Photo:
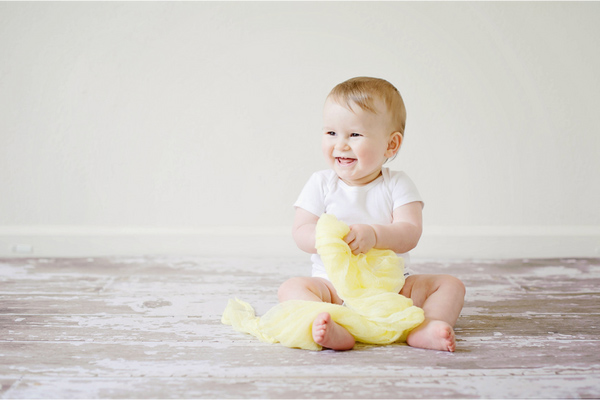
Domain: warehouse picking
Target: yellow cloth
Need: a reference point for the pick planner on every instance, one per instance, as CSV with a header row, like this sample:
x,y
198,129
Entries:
x,y
369,283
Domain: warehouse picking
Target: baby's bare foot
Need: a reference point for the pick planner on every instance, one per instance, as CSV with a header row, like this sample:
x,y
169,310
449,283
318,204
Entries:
x,y
329,334
433,335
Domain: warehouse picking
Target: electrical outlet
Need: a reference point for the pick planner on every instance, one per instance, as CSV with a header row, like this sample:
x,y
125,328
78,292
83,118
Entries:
x,y
22,248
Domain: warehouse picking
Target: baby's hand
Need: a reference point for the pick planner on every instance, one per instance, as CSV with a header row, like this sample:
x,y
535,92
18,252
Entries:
x,y
361,238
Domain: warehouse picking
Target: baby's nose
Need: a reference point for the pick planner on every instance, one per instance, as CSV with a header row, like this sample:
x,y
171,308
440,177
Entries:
x,y
342,144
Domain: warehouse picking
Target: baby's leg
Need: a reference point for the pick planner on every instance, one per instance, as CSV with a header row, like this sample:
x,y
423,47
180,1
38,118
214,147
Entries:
x,y
311,289
441,297
325,331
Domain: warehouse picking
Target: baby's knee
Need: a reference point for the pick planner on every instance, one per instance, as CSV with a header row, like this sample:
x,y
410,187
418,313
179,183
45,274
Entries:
x,y
289,287
455,284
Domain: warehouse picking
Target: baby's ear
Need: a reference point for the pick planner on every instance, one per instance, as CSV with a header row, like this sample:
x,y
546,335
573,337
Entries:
x,y
394,144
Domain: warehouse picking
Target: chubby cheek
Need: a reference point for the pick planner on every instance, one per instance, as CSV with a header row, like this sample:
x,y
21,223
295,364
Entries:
x,y
371,155
327,152
362,154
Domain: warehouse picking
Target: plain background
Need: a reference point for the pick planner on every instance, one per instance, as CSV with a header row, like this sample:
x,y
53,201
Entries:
x,y
137,128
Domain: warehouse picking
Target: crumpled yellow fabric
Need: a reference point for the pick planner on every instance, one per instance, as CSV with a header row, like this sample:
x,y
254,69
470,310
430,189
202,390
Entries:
x,y
373,311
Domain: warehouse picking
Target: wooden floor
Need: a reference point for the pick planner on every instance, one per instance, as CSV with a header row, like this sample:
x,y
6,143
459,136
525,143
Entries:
x,y
150,328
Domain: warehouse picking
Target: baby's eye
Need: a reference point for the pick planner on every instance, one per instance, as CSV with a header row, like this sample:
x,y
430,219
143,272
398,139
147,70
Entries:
x,y
330,133
355,135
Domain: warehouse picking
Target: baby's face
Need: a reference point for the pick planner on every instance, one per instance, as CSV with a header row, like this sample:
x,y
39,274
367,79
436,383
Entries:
x,y
355,144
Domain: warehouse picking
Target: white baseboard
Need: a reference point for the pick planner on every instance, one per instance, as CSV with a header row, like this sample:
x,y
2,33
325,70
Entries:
x,y
127,241
437,242
497,242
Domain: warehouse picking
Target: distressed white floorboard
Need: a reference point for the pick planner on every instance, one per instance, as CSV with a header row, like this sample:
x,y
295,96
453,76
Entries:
x,y
149,327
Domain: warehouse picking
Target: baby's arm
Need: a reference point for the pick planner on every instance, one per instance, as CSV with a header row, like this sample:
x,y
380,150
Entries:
x,y
303,230
401,236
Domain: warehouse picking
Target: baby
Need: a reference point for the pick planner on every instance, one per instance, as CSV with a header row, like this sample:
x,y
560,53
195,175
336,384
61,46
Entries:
x,y
364,121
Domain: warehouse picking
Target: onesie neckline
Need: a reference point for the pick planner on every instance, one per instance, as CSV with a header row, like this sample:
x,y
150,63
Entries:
x,y
363,187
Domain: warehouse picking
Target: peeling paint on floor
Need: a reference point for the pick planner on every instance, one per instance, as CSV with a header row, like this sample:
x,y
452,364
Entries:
x,y
149,327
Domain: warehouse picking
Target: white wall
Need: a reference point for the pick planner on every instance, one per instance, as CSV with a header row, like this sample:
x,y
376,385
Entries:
x,y
185,128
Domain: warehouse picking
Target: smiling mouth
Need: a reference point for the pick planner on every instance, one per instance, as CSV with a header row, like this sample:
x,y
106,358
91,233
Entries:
x,y
345,161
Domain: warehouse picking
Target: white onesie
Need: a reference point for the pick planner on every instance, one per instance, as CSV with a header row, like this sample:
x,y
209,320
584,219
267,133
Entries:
x,y
370,204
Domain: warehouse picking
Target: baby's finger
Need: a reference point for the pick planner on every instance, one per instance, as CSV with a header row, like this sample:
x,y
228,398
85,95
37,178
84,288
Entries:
x,y
352,246
349,237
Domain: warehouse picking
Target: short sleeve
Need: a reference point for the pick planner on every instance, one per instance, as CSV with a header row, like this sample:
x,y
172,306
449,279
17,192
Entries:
x,y
312,196
403,189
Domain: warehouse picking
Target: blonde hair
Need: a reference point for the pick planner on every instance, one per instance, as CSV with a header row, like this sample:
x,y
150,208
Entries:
x,y
363,91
